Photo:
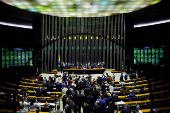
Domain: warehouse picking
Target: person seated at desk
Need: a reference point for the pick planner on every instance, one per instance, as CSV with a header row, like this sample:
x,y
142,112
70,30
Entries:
x,y
65,66
131,95
77,67
142,89
68,67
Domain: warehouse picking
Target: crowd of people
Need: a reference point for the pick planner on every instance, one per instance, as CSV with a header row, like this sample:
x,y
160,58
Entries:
x,y
92,95
95,95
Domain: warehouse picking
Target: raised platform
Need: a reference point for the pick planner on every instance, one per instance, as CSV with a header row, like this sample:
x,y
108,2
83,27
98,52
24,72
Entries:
x,y
54,72
113,71
86,71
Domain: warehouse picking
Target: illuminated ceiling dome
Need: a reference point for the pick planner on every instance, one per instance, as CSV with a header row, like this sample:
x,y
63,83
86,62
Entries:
x,y
81,8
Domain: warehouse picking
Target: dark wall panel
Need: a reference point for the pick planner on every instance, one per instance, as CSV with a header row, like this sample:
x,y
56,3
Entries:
x,y
97,39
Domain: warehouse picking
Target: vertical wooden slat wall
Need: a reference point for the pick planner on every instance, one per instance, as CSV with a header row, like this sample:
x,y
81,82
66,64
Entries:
x,y
97,39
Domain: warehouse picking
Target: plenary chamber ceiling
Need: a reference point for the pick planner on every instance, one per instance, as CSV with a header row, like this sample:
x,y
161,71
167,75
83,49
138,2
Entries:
x,y
81,39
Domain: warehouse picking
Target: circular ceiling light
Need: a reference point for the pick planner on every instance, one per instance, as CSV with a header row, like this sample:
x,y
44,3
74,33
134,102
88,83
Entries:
x,y
73,7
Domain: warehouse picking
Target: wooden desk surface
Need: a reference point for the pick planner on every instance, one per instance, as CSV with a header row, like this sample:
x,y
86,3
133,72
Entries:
x,y
133,102
122,96
39,97
35,112
113,71
145,110
6,111
56,92
161,91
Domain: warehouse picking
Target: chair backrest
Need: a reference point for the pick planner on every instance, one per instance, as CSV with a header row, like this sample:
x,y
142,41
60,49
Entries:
x,y
45,109
126,99
135,99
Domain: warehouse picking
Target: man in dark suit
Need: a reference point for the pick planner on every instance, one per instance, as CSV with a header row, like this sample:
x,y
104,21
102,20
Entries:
x,y
50,87
126,75
91,99
86,91
95,93
68,82
72,108
64,77
80,101
134,75
115,97
111,98
102,104
126,109
121,77
88,108
58,87
97,108
105,99
66,66
131,95
68,92
103,88
40,78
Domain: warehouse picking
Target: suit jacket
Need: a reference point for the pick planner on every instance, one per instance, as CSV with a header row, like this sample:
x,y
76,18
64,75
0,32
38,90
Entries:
x,y
69,109
131,96
86,91
68,82
103,87
66,65
104,77
126,110
58,87
115,97
111,98
106,101
64,77
125,77
95,93
121,77
91,98
102,104
80,99
68,92
109,110
97,109
87,109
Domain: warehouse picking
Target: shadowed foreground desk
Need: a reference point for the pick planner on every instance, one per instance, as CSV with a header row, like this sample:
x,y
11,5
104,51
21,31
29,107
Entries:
x,y
86,71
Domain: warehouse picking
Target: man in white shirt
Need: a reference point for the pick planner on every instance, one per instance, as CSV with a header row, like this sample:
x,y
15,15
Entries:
x,y
111,88
64,90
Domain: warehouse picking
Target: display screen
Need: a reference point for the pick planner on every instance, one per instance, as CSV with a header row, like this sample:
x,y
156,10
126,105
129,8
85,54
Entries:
x,y
16,57
81,8
148,55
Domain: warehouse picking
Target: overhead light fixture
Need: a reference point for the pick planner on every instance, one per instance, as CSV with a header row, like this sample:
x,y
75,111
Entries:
x,y
152,23
100,7
16,25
